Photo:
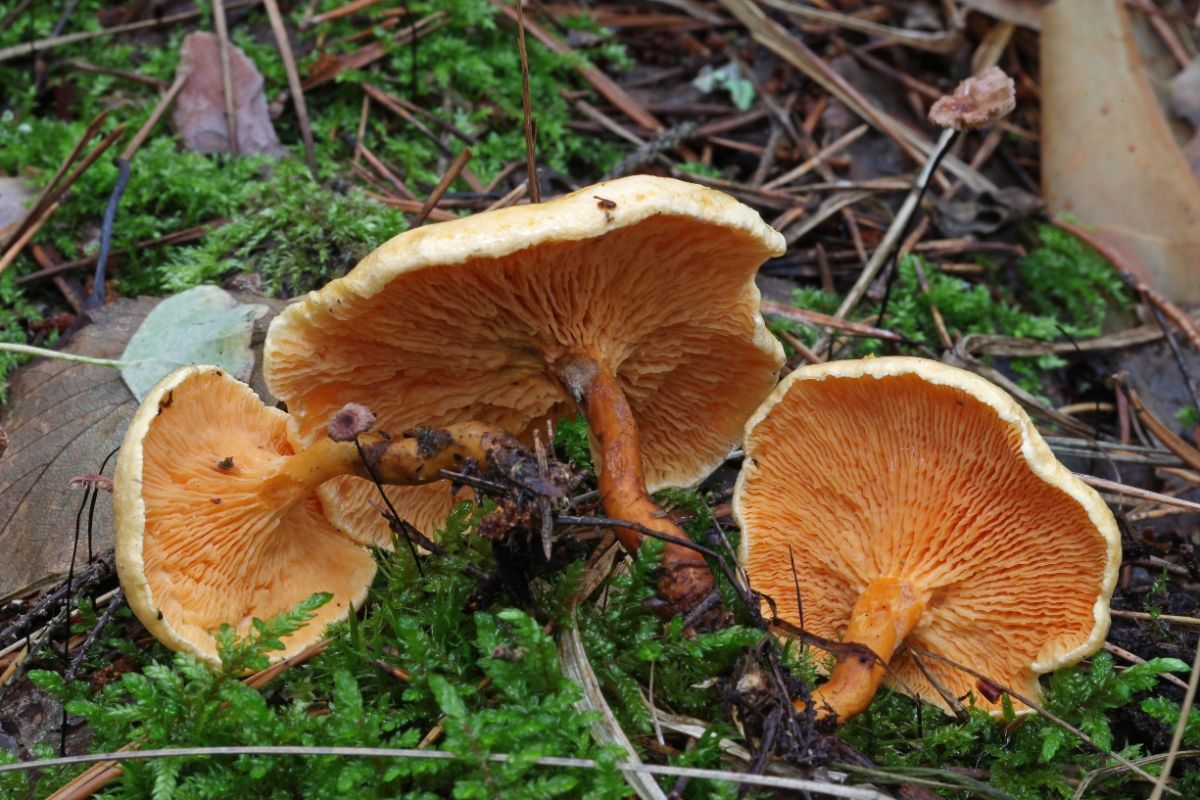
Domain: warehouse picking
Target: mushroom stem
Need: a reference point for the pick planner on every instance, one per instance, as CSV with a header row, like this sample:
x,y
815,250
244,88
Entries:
x,y
684,577
414,458
886,612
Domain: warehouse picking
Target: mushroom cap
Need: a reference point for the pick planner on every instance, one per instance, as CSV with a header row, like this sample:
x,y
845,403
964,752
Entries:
x,y
908,468
465,320
196,545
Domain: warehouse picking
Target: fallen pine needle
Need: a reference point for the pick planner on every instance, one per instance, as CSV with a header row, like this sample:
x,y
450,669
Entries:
x,y
1133,491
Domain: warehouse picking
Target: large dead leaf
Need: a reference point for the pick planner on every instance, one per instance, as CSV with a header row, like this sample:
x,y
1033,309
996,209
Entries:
x,y
62,420
1108,156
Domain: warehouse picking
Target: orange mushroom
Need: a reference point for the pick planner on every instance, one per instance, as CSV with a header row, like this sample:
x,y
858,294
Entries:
x,y
632,300
922,510
217,518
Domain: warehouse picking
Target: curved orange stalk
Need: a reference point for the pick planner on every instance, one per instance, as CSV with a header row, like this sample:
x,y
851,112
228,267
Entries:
x,y
886,612
402,461
684,577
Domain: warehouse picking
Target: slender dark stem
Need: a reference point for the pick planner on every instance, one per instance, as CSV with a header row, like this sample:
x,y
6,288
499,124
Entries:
x,y
110,213
387,501
89,491
925,180
410,532
95,494
1169,335
799,599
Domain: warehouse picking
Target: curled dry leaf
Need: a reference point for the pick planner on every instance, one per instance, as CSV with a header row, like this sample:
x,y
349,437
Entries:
x,y
200,108
1108,156
977,102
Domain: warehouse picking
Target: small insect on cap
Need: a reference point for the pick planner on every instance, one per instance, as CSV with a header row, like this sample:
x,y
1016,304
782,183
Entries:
x,y
202,539
910,471
466,320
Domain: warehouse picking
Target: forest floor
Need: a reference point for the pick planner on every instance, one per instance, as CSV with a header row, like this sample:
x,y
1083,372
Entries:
x,y
377,116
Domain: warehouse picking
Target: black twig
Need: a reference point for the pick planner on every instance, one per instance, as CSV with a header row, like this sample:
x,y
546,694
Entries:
x,y
94,573
665,142
703,607
110,611
110,213
923,186
1169,335
388,502
473,481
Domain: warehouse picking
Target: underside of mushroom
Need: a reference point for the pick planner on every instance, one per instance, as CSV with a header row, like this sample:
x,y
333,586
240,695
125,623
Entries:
x,y
921,510
217,515
632,301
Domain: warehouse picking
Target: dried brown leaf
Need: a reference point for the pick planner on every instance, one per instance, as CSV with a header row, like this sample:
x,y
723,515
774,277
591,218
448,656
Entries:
x,y
199,114
1108,156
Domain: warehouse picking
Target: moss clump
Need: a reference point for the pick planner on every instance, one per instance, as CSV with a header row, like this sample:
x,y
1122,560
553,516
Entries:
x,y
292,231
1031,759
1062,288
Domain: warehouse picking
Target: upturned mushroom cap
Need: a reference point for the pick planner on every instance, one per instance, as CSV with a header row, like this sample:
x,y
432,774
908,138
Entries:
x,y
197,544
908,468
466,320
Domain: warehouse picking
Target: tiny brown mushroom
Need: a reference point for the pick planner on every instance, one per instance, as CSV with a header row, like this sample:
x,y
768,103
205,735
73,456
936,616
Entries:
x,y
922,509
977,102
642,313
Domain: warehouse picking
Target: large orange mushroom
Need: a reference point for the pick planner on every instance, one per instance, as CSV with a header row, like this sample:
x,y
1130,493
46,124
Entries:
x,y
921,510
631,300
217,517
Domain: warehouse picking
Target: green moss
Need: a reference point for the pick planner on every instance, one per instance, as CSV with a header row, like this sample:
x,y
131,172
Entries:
x,y
1063,288
1034,759
491,678
290,230
468,73
296,233
16,312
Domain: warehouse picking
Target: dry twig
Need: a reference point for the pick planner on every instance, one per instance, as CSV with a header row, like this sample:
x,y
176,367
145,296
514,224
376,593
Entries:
x,y
293,76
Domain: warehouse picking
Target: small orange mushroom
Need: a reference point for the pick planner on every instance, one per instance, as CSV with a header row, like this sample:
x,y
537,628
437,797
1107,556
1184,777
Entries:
x,y
922,510
631,300
217,517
